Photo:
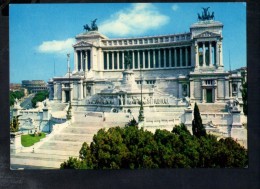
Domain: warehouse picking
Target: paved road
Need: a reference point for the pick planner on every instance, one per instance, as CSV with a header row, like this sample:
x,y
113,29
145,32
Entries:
x,y
26,103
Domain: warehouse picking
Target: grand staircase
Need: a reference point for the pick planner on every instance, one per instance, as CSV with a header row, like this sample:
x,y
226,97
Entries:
x,y
62,145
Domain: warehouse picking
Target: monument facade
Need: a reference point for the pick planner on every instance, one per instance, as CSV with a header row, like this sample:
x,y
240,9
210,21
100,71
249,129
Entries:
x,y
108,73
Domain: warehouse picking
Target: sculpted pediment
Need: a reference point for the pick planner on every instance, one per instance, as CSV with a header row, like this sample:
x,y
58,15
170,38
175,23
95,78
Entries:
x,y
207,34
83,44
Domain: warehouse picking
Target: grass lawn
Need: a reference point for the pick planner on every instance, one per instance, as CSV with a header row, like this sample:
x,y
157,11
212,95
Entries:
x,y
30,139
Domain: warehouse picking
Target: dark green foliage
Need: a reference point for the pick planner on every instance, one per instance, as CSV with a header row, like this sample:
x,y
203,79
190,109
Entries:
x,y
72,163
133,148
133,122
14,124
13,95
198,129
244,97
230,154
39,97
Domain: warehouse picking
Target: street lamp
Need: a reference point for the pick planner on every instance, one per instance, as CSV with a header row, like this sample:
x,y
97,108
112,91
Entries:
x,y
141,111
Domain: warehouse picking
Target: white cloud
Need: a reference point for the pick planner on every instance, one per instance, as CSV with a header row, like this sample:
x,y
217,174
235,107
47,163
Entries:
x,y
136,20
56,46
175,7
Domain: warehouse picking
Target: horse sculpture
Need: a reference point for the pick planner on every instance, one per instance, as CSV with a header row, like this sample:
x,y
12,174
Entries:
x,y
205,15
93,26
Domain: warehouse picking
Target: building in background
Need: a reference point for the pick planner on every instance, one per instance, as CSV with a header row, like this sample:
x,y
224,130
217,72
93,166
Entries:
x,y
34,86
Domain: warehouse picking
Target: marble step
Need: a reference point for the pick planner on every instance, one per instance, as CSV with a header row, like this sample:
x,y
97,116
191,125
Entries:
x,y
72,137
74,152
42,156
88,124
18,163
81,130
61,145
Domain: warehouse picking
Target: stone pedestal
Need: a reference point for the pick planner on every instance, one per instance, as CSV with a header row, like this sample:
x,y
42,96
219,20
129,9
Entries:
x,y
46,115
128,81
236,119
16,143
188,116
239,135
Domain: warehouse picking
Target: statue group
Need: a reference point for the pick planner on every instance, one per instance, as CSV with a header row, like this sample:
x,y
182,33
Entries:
x,y
205,15
128,61
93,26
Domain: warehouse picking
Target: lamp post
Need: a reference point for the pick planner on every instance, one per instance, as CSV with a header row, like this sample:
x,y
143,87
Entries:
x,y
141,111
69,110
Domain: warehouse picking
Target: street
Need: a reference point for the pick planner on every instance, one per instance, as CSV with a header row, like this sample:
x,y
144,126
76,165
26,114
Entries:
x,y
26,103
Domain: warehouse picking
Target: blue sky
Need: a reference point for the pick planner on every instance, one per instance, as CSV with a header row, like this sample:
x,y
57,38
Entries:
x,y
42,34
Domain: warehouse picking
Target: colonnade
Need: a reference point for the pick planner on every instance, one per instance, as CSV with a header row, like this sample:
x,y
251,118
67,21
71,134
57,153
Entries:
x,y
208,53
82,60
149,58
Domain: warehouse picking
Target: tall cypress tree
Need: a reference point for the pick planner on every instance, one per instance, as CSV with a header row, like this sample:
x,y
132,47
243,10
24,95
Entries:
x,y
197,127
244,97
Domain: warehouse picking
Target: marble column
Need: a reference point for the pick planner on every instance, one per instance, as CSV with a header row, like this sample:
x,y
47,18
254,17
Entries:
x,y
133,59
84,90
164,58
138,58
186,56
143,58
159,54
203,94
123,60
215,94
81,61
149,58
91,59
75,61
113,63
220,54
154,60
54,91
80,90
107,59
59,91
204,60
86,61
181,63
125,99
210,54
196,55
217,55
170,57
63,96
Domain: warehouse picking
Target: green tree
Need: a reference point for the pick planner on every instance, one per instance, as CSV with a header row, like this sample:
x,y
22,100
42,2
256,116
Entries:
x,y
15,94
14,124
132,122
230,154
108,149
72,163
244,97
198,129
133,148
39,97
